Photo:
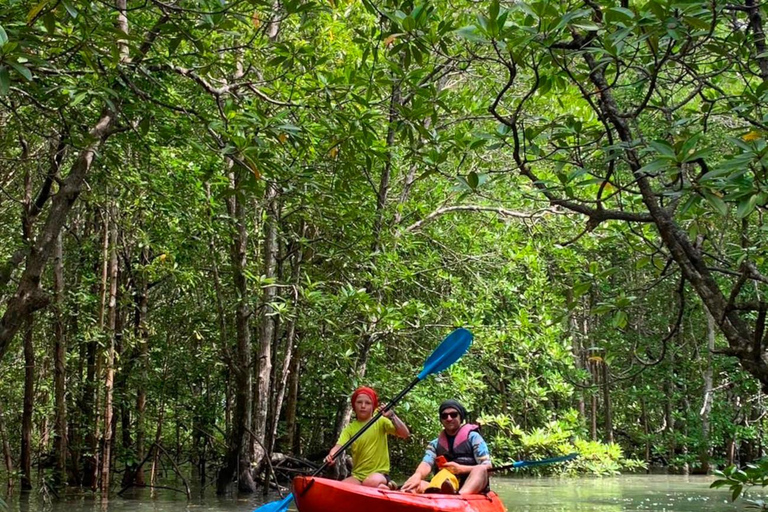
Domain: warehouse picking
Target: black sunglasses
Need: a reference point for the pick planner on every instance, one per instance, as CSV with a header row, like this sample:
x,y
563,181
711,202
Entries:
x,y
446,415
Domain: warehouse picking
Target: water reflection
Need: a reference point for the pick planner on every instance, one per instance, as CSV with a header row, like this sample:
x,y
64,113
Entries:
x,y
619,494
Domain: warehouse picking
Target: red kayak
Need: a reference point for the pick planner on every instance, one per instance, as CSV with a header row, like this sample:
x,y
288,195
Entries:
x,y
314,494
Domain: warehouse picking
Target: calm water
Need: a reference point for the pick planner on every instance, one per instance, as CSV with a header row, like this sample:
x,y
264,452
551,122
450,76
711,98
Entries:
x,y
625,493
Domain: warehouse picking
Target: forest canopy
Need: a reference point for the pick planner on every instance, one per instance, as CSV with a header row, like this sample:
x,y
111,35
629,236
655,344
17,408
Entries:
x,y
221,217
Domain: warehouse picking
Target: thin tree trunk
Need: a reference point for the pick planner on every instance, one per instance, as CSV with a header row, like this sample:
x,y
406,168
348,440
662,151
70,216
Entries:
x,y
110,364
29,400
607,407
706,452
290,335
60,440
239,453
93,466
291,406
7,457
267,325
142,334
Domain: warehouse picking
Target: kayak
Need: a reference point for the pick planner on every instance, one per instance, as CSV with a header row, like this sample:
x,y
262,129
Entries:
x,y
314,494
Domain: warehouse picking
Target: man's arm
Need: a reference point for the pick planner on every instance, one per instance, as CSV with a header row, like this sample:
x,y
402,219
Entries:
x,y
414,482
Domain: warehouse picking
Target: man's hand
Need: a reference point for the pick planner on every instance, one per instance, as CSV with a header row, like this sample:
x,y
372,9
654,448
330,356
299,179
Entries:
x,y
412,484
456,469
330,460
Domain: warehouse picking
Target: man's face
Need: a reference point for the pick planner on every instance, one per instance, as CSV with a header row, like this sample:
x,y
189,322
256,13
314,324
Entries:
x,y
450,419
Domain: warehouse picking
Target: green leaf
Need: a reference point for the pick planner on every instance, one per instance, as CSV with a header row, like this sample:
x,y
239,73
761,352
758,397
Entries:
x,y
626,13
586,25
473,180
71,9
35,11
717,203
3,36
663,148
470,33
746,206
656,165
22,70
49,20
736,491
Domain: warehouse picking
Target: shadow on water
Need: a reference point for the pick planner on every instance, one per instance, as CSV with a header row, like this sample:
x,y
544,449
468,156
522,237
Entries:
x,y
618,494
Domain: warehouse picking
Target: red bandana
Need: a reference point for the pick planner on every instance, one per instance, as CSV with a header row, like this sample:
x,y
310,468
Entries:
x,y
362,390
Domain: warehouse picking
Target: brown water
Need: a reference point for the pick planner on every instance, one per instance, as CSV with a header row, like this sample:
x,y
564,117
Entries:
x,y
624,493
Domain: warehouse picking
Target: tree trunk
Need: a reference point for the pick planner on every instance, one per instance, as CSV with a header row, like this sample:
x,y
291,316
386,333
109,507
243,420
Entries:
x,y
290,341
142,335
607,407
8,459
106,458
706,452
93,411
29,400
267,325
60,440
291,407
239,454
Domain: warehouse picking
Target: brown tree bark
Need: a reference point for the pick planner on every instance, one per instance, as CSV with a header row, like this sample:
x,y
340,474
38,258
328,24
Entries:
x,y
109,378
266,324
60,440
7,457
291,407
239,454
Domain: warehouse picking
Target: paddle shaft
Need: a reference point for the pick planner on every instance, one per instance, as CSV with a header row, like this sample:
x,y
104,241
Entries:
x,y
373,420
529,463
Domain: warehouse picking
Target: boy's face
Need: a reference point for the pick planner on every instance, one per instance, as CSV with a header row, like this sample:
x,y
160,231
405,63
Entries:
x,y
363,406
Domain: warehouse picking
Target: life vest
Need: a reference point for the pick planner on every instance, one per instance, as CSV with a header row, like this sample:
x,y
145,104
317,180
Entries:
x,y
462,452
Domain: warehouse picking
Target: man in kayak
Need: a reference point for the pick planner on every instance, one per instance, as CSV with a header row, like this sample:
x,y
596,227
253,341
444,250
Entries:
x,y
459,452
370,453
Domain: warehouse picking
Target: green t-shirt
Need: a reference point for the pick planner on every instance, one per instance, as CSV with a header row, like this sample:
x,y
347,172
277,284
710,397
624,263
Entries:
x,y
370,453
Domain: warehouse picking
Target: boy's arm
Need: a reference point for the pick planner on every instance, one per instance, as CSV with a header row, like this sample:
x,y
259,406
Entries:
x,y
329,458
401,429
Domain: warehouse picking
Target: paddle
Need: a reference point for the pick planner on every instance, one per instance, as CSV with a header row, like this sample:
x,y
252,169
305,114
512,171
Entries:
x,y
541,462
448,352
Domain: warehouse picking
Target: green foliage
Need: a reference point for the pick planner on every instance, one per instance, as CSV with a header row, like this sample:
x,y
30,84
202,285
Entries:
x,y
739,481
556,438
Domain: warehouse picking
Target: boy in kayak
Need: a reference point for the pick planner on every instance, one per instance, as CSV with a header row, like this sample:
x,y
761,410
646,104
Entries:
x,y
459,452
370,453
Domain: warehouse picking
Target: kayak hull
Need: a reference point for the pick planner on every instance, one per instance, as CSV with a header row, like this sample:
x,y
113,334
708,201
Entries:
x,y
314,494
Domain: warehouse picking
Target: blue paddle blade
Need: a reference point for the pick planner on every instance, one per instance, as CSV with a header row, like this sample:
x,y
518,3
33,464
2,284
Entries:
x,y
449,351
529,463
276,506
